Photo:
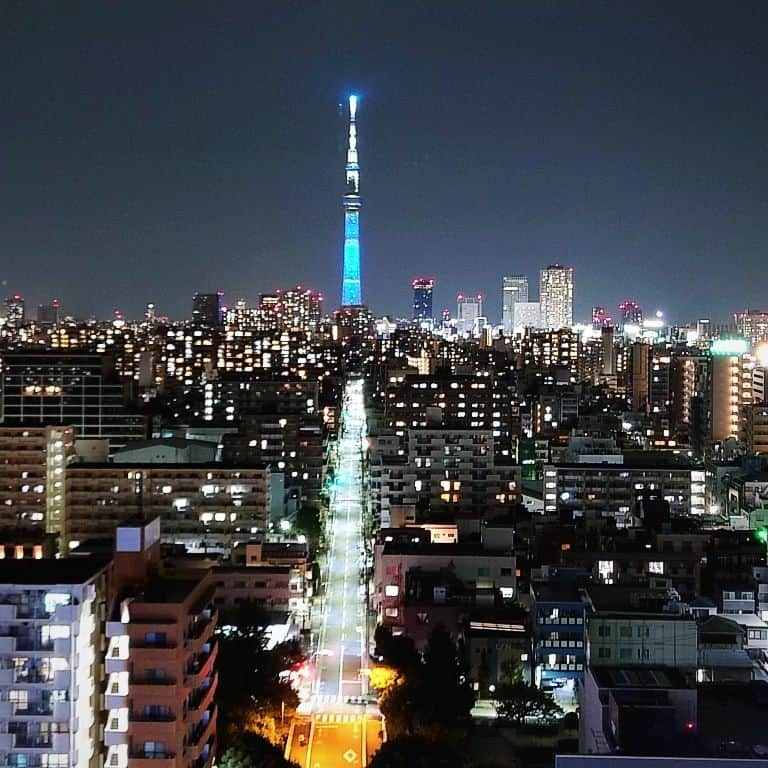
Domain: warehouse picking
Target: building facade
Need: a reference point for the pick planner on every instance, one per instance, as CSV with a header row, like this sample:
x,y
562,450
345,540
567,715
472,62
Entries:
x,y
556,296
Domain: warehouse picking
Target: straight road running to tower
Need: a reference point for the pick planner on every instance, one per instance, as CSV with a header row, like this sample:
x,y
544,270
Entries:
x,y
338,732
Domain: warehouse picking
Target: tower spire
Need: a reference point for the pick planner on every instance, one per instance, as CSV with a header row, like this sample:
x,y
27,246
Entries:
x,y
351,294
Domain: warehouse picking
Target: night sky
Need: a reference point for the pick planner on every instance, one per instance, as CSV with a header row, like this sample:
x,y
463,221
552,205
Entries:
x,y
149,150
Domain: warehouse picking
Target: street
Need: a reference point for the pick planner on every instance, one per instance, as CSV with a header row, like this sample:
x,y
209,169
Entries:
x,y
340,732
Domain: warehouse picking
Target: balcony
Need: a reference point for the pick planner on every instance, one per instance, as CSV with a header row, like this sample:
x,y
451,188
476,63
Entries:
x,y
202,733
201,631
201,698
164,760
200,667
56,742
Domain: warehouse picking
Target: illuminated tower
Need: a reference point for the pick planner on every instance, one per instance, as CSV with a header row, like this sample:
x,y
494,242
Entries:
x,y
351,295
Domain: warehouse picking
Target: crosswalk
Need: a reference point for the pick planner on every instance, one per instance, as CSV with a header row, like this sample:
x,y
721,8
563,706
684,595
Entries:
x,y
329,699
337,717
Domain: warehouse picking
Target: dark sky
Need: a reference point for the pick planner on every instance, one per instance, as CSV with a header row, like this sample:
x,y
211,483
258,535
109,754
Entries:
x,y
152,149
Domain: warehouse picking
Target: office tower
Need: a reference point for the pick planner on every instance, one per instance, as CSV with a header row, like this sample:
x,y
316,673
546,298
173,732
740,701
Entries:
x,y
514,289
468,310
601,318
556,296
630,313
77,389
422,298
14,311
351,293
752,324
48,314
527,315
207,309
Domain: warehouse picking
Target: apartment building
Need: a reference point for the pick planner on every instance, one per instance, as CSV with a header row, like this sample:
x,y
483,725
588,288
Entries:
x,y
51,618
206,507
160,660
33,462
634,626
289,443
483,570
558,612
615,489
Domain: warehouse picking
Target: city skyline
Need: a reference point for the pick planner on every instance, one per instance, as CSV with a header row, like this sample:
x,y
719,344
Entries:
x,y
468,177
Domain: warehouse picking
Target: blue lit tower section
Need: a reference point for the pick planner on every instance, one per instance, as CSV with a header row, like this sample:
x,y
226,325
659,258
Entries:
x,y
351,295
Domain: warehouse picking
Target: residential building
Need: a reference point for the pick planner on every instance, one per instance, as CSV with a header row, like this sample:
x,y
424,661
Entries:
x,y
639,627
160,660
33,463
614,490
556,297
51,614
207,507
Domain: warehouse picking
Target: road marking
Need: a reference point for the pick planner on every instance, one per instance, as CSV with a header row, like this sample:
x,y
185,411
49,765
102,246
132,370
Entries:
x,y
350,756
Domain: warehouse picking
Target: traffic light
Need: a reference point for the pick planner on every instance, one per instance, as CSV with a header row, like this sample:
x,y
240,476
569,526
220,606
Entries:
x,y
761,534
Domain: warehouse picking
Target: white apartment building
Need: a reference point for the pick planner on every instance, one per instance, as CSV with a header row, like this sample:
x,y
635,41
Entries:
x,y
50,671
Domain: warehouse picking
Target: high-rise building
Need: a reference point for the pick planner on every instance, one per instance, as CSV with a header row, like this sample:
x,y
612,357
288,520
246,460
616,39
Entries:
x,y
514,289
630,313
422,298
556,296
601,318
527,315
639,382
752,324
468,310
733,387
160,660
351,293
48,314
207,308
52,683
14,311
298,309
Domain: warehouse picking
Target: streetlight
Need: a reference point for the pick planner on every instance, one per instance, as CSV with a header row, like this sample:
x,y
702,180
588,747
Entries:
x,y
285,525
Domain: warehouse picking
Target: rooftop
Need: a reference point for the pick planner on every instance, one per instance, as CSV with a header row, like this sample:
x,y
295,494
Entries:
x,y
639,677
161,590
70,570
175,466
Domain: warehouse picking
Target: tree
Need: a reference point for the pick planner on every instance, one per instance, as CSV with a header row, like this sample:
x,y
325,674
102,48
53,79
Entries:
x,y
518,701
254,751
307,521
431,697
415,752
